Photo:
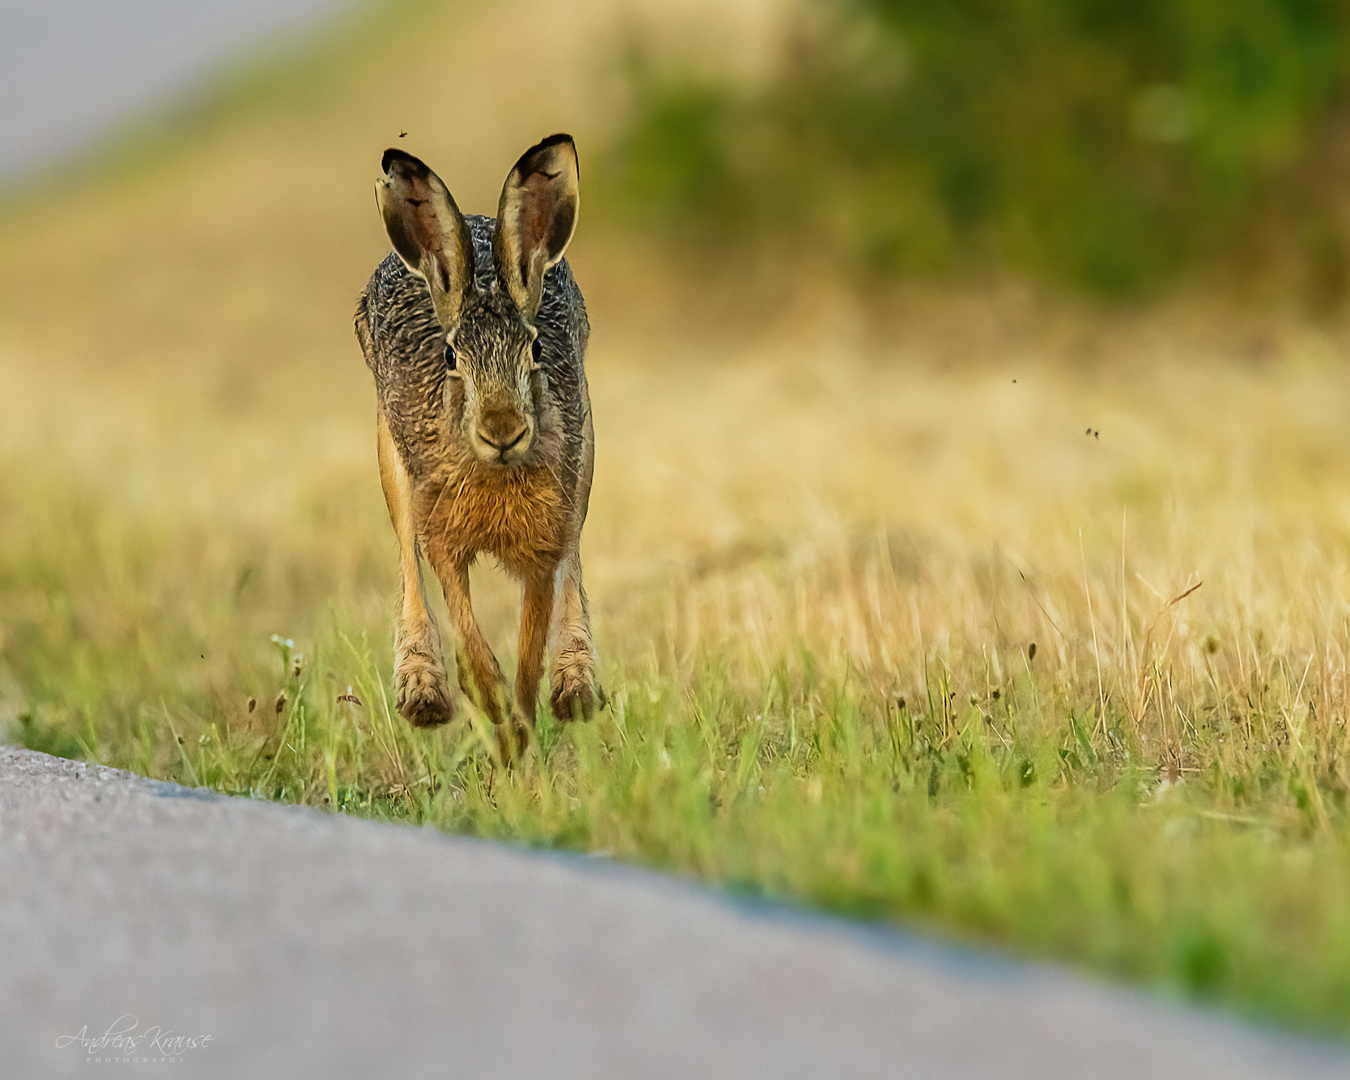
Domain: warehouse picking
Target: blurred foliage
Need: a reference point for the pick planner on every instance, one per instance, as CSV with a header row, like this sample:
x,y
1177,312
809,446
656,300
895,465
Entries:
x,y
1104,145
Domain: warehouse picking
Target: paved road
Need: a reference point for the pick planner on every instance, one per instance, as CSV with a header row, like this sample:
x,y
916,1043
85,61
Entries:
x,y
72,70
310,945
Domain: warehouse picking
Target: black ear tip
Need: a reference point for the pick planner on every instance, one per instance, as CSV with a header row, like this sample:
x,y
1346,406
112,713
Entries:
x,y
392,155
528,160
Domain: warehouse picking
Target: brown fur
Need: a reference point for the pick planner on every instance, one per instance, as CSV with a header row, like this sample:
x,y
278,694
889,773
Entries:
x,y
473,347
520,517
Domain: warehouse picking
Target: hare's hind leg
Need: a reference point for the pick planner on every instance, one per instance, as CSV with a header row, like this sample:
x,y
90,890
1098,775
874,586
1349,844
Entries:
x,y
575,691
420,684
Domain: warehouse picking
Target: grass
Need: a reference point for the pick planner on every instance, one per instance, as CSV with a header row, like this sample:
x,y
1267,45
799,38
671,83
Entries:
x,y
885,628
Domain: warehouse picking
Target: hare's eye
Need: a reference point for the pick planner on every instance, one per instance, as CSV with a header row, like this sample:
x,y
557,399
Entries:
x,y
449,356
537,349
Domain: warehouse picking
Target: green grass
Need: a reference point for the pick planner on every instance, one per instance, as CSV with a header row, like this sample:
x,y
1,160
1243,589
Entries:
x,y
1014,813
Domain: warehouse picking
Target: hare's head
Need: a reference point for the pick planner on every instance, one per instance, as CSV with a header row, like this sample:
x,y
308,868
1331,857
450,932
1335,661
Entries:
x,y
492,346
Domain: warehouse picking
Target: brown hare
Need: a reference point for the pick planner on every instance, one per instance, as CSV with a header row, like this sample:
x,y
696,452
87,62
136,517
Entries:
x,y
476,334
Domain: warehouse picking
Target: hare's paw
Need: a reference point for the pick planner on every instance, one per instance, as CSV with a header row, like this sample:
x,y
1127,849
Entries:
x,y
423,692
510,724
462,673
575,692
513,738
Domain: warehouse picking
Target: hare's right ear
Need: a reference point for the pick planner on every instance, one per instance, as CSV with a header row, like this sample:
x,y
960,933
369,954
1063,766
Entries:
x,y
535,219
427,230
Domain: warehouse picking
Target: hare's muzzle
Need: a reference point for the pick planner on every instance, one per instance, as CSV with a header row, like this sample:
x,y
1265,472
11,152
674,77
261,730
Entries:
x,y
502,437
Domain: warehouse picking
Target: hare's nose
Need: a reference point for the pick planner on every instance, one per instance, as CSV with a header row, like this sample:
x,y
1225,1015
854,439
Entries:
x,y
502,440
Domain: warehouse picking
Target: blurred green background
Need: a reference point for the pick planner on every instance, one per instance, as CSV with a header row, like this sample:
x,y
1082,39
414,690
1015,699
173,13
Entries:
x,y
1113,149
1096,149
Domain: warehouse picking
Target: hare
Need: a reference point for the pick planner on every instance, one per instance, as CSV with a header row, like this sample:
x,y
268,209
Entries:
x,y
476,332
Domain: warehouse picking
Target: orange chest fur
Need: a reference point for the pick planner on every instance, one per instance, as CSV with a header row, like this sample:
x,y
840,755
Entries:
x,y
519,515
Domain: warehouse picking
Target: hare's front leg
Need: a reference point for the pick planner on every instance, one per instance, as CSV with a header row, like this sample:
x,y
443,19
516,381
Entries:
x,y
472,649
422,691
536,612
576,693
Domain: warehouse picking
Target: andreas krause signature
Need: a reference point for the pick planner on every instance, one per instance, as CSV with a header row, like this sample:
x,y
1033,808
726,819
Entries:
x,y
125,1037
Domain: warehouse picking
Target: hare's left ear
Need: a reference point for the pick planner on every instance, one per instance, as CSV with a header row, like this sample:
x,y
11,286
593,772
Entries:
x,y
427,230
535,219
